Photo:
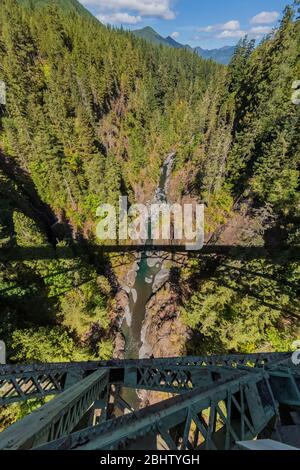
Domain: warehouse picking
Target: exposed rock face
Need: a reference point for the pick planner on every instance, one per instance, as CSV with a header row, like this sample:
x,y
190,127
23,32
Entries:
x,y
164,332
130,277
118,313
121,303
119,346
160,279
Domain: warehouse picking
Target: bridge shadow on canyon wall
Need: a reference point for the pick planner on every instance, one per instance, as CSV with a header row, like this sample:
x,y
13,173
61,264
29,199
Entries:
x,y
289,253
213,255
17,192
32,303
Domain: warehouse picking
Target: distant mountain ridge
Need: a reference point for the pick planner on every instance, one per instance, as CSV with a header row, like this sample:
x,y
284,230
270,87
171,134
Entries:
x,y
150,35
222,55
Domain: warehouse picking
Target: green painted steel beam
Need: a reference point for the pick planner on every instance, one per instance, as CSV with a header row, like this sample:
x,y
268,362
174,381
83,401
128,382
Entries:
x,y
243,404
58,417
285,383
243,391
23,382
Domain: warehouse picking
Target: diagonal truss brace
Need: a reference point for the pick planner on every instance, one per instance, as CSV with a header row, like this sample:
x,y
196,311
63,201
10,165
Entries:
x,y
178,420
58,417
19,383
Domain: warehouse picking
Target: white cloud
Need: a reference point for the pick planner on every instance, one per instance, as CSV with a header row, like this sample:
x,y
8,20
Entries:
x,y
119,18
206,29
149,8
232,25
260,30
175,35
232,29
265,17
231,34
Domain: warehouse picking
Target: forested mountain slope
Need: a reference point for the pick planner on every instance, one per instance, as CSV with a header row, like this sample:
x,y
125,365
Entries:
x,y
91,113
248,174
150,35
67,6
91,109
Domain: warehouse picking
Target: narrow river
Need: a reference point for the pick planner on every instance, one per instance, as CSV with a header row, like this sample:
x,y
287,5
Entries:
x,y
149,268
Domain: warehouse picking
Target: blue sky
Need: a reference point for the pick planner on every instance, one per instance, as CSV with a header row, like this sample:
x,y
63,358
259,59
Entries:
x,y
205,23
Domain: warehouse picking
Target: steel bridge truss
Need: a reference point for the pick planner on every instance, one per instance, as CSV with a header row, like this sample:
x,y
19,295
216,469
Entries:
x,y
19,383
216,402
